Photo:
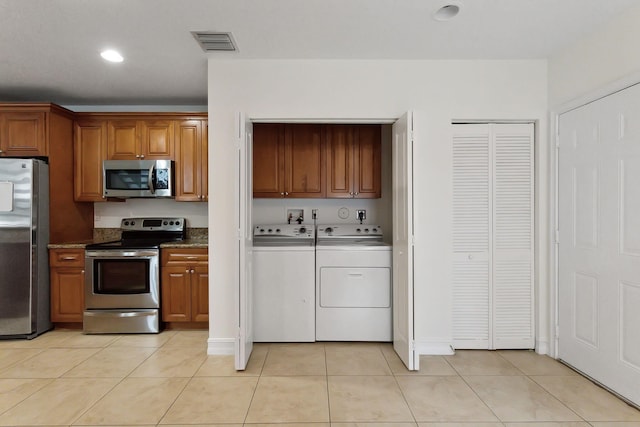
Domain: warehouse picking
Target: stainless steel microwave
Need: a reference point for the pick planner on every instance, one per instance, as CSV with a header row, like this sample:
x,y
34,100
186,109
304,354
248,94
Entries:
x,y
137,178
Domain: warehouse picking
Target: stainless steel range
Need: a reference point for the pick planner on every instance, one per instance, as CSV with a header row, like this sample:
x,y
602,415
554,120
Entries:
x,y
122,282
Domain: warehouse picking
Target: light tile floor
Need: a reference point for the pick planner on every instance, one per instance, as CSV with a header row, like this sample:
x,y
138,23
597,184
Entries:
x,y
66,378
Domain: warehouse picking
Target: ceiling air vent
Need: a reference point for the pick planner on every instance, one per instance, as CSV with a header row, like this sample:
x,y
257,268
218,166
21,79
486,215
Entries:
x,y
211,41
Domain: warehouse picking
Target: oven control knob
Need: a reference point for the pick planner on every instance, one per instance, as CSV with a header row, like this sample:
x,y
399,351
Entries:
x,y
166,222
375,230
270,231
366,230
358,230
262,230
303,230
277,230
328,230
126,223
177,222
133,223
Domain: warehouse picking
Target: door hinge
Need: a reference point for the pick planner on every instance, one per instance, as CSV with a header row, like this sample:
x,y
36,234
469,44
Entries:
x,y
557,331
557,237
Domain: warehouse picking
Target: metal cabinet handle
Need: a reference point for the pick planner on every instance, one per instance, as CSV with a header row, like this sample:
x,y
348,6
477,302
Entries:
x,y
286,193
193,271
356,193
142,156
187,270
69,258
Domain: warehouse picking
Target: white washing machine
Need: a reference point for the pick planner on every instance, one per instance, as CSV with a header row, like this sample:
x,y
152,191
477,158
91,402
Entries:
x,y
353,284
284,283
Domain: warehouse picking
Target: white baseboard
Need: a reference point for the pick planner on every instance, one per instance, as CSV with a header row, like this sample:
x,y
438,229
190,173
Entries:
x,y
434,348
542,346
221,346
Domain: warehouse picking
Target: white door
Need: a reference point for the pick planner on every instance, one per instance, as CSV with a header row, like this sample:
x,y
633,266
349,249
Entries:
x,y
599,234
493,236
402,189
244,338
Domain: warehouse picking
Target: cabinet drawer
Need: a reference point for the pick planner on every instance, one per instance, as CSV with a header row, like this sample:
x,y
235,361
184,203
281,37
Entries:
x,y
184,256
66,257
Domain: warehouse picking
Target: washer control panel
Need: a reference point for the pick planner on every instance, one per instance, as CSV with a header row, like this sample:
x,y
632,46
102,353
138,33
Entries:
x,y
300,231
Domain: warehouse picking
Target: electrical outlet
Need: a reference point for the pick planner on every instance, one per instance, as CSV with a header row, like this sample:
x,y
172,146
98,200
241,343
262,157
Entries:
x,y
361,214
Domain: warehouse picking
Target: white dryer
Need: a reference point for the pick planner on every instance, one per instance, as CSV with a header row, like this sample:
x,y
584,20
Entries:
x,y
284,283
353,284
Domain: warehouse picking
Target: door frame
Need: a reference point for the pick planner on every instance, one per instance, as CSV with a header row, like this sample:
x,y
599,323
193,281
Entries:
x,y
242,117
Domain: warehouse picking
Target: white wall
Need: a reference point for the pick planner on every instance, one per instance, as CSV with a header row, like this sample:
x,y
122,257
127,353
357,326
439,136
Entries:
x,y
603,58
109,214
364,89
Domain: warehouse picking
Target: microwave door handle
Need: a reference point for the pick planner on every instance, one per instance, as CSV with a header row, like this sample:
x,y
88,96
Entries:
x,y
151,187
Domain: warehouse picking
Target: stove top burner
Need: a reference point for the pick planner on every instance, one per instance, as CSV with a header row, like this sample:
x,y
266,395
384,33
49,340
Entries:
x,y
146,233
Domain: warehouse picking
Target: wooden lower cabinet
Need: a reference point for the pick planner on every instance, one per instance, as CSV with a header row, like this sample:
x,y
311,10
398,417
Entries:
x,y
184,285
67,285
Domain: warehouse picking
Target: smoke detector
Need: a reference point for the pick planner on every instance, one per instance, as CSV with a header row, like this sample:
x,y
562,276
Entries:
x,y
211,41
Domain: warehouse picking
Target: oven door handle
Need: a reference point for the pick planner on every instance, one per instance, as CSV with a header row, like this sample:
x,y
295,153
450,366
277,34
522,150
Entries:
x,y
122,254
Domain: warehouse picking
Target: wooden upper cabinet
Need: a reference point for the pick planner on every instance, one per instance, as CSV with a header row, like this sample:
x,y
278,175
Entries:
x,y
90,149
367,165
339,176
157,142
268,160
353,161
140,140
288,160
304,161
191,161
23,134
204,161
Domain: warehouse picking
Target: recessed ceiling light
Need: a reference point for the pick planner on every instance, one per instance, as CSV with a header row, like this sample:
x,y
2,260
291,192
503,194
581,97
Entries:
x,y
111,56
446,13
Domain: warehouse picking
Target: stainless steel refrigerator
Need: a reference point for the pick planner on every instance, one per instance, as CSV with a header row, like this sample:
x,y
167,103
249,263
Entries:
x,y
24,236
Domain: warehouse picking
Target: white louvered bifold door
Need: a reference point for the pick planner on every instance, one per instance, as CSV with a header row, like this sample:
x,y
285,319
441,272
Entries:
x,y
512,235
493,236
471,215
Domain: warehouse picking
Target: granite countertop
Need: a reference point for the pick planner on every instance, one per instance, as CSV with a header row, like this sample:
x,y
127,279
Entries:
x,y
187,243
196,238
73,245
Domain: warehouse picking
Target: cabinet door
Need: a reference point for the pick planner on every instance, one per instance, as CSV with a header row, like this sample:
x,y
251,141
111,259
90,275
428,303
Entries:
x,y
200,294
367,162
339,171
67,294
156,139
188,155
22,134
304,161
176,294
268,160
90,149
204,162
123,140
